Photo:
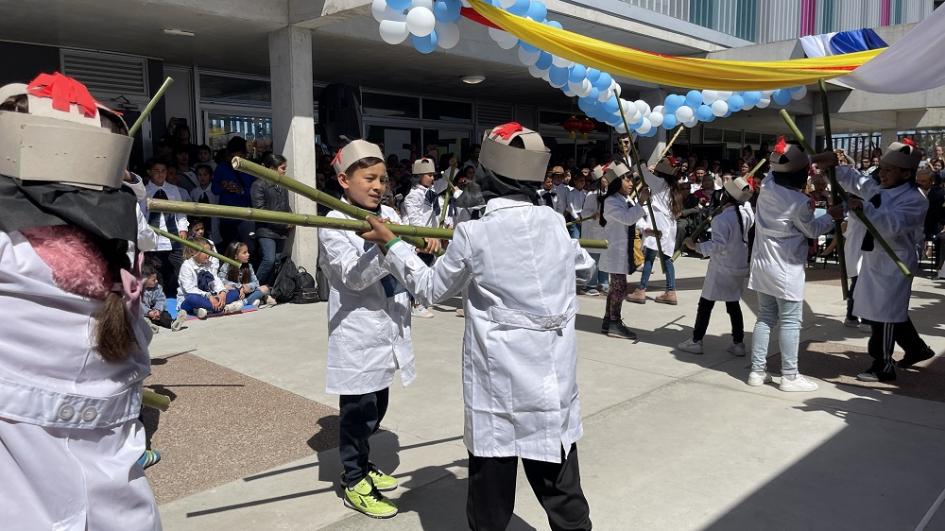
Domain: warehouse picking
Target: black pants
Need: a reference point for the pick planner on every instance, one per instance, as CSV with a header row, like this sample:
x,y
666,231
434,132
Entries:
x,y
168,265
164,320
883,338
360,417
850,315
704,312
491,497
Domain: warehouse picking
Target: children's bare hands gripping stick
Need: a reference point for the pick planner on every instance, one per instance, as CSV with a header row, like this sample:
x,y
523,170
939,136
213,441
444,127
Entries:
x,y
380,234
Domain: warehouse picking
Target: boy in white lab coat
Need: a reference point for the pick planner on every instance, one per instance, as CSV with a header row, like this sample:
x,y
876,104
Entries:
x,y
897,209
728,268
784,219
423,207
74,345
364,297
517,264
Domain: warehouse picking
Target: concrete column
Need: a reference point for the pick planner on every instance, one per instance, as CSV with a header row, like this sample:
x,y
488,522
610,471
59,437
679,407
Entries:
x,y
650,148
807,123
293,126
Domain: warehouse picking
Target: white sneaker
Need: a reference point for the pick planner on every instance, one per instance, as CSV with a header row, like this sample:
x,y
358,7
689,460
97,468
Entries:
x,y
201,313
737,349
270,301
460,312
756,378
233,307
179,321
592,293
421,312
797,384
690,346
256,303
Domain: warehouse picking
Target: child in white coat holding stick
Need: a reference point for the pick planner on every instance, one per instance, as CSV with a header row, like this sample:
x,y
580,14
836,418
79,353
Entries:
x,y
662,183
728,267
517,264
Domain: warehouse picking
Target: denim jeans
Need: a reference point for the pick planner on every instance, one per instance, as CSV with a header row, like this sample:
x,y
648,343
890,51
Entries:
x,y
269,250
575,230
599,279
254,296
193,301
649,256
774,311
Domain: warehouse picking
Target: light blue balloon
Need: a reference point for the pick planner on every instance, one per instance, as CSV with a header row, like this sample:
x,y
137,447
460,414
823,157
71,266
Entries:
x,y
446,10
752,97
736,102
424,44
669,105
594,94
694,99
544,61
796,89
614,120
603,82
554,24
704,113
781,97
669,120
651,133
585,105
558,76
592,75
577,73
611,105
727,114
527,47
537,11
520,7
399,4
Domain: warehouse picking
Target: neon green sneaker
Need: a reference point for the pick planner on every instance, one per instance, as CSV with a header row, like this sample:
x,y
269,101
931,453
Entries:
x,y
382,481
366,499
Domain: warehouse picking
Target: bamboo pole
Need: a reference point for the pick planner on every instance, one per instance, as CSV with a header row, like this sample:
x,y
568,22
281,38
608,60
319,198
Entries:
x,y
155,400
581,220
835,194
671,142
903,268
447,197
193,245
150,106
306,220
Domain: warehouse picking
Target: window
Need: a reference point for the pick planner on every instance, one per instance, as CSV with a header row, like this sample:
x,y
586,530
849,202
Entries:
x,y
257,130
227,89
390,105
447,111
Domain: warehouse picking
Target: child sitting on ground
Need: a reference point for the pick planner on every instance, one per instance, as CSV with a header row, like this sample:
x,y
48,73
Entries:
x,y
243,278
153,302
200,292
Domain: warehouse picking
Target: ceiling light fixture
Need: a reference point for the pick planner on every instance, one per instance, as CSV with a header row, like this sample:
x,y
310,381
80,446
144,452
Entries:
x,y
473,80
178,32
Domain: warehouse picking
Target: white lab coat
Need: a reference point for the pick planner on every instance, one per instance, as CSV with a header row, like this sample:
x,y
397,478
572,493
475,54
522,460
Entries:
x,y
563,191
728,250
174,193
784,219
556,199
419,212
882,291
517,264
187,279
69,434
621,215
852,243
661,199
575,205
591,228
368,332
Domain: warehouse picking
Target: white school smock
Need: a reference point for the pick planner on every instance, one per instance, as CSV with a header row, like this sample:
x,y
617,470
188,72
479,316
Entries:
x,y
188,276
419,212
517,264
69,434
591,229
575,205
882,291
661,199
368,332
728,253
621,215
784,219
564,192
852,243
173,193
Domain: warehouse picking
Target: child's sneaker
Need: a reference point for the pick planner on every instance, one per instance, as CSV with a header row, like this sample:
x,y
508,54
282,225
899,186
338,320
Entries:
x,y
233,307
757,378
421,312
270,302
149,458
620,331
382,482
367,500
851,323
592,293
179,321
201,313
256,303
797,383
690,346
737,349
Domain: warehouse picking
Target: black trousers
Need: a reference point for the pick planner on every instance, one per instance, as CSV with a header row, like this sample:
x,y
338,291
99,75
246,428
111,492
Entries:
x,y
360,417
491,497
884,337
168,265
850,315
164,320
704,312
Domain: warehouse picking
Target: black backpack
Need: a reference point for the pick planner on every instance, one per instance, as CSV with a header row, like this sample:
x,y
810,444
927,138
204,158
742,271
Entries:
x,y
286,282
305,289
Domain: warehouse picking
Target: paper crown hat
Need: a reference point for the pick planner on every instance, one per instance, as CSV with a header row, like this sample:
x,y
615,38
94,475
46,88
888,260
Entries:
x,y
353,152
739,189
497,153
598,171
903,154
615,170
61,138
422,166
788,158
666,166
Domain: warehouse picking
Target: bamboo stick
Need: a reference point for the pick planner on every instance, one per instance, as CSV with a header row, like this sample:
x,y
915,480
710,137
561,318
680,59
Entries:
x,y
155,400
835,194
671,142
903,268
306,220
150,106
581,220
193,245
447,196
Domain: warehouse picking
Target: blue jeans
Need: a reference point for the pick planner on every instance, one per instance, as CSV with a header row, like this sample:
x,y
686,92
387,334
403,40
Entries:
x,y
774,311
254,296
599,279
649,256
193,301
575,230
269,251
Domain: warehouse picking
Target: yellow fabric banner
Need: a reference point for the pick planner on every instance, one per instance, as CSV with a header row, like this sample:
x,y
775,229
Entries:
x,y
687,72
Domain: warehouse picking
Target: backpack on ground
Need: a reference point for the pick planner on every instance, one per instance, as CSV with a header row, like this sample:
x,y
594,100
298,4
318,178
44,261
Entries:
x,y
286,280
305,288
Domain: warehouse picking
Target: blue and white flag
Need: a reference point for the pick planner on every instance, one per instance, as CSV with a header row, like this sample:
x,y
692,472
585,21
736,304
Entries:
x,y
841,42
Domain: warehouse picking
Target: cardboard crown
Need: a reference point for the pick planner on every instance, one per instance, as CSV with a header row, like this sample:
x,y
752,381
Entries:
x,y
353,152
528,164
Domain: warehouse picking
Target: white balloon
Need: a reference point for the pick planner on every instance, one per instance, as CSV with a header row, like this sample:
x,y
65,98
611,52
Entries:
x,y
561,61
546,75
719,108
616,88
658,108
634,115
568,92
495,34
535,71
656,118
684,114
379,10
691,123
422,3
763,103
710,96
526,57
586,88
627,106
725,94
447,34
643,107
420,21
393,31
645,126
574,86
799,95
508,41
605,95
620,128
767,93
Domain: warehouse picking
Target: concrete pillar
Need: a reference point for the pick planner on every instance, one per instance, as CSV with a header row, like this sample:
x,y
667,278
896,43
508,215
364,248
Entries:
x,y
807,123
293,126
650,148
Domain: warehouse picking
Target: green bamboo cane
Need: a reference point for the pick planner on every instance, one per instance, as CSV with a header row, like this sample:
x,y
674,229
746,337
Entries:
x,y
701,227
328,200
150,106
835,194
193,245
306,220
580,220
639,164
155,400
447,195
903,268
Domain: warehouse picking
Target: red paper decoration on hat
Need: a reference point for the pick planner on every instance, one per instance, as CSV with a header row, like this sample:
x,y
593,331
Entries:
x,y
507,130
64,91
781,147
910,142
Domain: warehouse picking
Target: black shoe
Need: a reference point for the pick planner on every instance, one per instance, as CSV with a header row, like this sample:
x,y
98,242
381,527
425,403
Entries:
x,y
908,361
619,330
605,326
876,375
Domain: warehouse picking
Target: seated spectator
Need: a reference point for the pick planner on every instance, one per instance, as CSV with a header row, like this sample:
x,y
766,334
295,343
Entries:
x,y
200,292
153,302
270,237
243,278
707,195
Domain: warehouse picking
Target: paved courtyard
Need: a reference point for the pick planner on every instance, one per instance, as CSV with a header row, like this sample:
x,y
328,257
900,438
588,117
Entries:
x,y
673,441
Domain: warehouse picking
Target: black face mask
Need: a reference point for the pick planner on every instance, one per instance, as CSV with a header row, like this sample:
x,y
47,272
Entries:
x,y
489,185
